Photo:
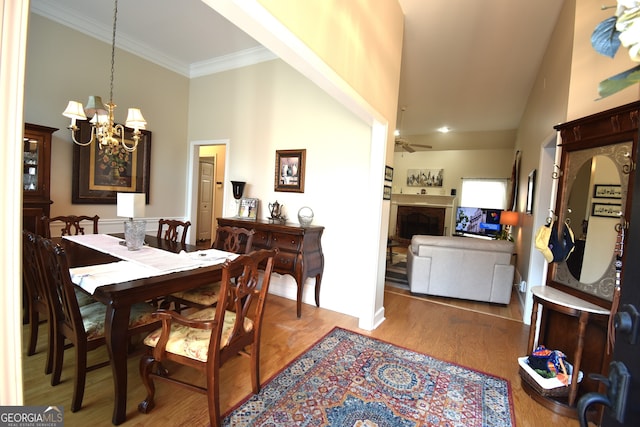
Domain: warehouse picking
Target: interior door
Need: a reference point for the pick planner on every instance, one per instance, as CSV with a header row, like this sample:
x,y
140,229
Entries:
x,y
627,346
205,198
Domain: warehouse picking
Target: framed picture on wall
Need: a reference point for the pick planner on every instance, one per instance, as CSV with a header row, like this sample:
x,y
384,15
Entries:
x,y
289,173
606,210
388,173
99,172
386,192
613,191
531,188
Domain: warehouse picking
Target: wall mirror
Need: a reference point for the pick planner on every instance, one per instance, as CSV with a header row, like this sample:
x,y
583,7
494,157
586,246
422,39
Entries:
x,y
593,196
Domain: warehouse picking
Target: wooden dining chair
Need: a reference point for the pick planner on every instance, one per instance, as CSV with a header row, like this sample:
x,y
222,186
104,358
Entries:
x,y
172,232
82,326
37,303
206,339
230,239
70,225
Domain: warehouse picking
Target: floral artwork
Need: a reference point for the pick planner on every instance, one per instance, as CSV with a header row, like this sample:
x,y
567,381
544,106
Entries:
x,y
621,29
100,172
113,166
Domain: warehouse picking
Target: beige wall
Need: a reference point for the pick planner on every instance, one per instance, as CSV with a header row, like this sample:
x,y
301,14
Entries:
x,y
370,41
64,65
457,164
588,67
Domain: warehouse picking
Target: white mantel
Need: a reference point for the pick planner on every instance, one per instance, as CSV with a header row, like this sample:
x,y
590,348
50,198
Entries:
x,y
433,201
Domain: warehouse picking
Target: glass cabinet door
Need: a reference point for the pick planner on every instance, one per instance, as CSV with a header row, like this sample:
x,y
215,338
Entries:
x,y
31,181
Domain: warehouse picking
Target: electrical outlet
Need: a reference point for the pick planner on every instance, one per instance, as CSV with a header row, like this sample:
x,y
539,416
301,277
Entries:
x,y
523,286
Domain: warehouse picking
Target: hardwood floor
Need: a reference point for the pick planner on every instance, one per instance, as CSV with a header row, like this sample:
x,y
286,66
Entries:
x,y
486,343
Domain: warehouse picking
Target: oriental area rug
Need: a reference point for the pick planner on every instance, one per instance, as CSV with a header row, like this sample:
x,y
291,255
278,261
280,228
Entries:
x,y
347,379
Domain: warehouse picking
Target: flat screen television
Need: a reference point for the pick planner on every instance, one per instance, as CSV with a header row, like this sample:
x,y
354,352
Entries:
x,y
478,222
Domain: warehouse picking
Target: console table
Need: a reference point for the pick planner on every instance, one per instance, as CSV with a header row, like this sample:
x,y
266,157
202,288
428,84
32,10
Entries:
x,y
300,252
552,299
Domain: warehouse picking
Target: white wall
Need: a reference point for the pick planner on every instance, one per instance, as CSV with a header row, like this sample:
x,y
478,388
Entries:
x,y
268,107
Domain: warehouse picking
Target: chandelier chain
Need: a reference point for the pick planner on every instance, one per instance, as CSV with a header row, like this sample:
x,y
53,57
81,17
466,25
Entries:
x,y
113,50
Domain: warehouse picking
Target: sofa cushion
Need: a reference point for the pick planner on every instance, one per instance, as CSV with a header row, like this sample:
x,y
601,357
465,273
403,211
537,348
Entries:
x,y
461,243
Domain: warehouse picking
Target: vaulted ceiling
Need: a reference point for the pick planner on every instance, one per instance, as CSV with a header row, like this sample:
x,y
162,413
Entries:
x,y
468,65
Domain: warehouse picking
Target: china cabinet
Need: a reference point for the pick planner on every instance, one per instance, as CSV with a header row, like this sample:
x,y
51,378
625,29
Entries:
x,y
36,177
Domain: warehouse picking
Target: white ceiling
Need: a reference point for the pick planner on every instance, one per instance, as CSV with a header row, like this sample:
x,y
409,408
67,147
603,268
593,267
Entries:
x,y
466,64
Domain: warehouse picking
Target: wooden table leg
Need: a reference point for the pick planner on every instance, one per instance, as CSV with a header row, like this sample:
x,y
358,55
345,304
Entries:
x,y
577,357
117,340
532,328
318,280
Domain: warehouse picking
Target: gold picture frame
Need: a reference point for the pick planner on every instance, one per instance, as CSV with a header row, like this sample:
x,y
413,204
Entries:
x,y
99,173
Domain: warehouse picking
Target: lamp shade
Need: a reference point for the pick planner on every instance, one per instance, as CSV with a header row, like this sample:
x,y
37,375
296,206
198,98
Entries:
x,y
95,106
130,205
135,119
74,111
509,218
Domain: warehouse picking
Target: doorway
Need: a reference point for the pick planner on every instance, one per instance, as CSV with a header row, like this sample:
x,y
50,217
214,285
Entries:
x,y
206,198
213,155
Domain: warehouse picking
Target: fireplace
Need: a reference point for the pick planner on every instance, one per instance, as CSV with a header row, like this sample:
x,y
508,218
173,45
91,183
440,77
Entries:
x,y
413,214
412,220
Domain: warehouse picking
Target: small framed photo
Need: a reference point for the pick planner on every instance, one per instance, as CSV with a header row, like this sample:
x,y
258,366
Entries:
x,y
388,173
531,189
607,210
248,208
289,173
386,192
601,191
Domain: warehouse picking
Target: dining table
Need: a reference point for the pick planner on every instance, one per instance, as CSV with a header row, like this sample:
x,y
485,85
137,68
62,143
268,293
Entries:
x,y
121,295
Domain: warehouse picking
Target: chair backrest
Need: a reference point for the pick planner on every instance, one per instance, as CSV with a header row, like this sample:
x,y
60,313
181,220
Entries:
x,y
243,290
171,234
233,239
71,224
32,271
60,288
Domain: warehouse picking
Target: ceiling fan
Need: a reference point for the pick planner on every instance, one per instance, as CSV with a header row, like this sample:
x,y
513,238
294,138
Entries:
x,y
403,142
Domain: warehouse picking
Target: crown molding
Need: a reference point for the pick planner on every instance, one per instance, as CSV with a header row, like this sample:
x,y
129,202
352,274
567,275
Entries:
x,y
92,28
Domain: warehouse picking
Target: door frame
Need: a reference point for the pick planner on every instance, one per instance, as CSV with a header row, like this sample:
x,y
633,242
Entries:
x,y
193,163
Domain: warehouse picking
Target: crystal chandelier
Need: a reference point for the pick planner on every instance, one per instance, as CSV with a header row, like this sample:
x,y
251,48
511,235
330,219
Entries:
x,y
102,124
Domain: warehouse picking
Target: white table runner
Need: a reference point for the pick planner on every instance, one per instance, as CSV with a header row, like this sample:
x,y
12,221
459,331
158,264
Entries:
x,y
143,263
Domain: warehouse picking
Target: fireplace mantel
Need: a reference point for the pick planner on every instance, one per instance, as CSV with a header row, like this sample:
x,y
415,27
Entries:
x,y
435,201
423,199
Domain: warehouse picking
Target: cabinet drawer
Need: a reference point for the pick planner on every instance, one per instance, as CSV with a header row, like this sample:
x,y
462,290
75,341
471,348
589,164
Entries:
x,y
285,262
285,242
260,240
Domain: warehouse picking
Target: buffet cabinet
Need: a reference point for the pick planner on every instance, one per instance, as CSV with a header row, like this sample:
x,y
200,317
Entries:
x,y
36,178
300,250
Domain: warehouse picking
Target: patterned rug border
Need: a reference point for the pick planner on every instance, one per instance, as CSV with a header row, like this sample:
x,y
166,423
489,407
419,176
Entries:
x,y
335,328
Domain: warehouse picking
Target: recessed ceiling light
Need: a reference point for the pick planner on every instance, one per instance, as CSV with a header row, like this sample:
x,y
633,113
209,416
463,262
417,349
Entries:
x,y
443,129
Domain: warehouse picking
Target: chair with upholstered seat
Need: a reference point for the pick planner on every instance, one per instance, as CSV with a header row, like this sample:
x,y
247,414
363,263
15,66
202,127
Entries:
x,y
172,232
82,326
70,225
229,239
206,339
38,307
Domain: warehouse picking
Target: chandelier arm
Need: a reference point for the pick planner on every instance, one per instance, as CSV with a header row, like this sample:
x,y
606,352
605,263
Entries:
x,y
73,130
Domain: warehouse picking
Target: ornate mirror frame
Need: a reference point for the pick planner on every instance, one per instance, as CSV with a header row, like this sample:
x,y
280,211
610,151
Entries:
x,y
614,135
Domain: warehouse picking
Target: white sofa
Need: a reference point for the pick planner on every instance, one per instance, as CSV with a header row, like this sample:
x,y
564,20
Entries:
x,y
461,267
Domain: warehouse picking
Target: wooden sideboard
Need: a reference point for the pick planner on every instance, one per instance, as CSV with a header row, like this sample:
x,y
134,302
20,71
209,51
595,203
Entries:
x,y
300,251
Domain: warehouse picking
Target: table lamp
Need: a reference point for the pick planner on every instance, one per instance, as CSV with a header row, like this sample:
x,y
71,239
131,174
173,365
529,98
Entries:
x,y
131,205
509,219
